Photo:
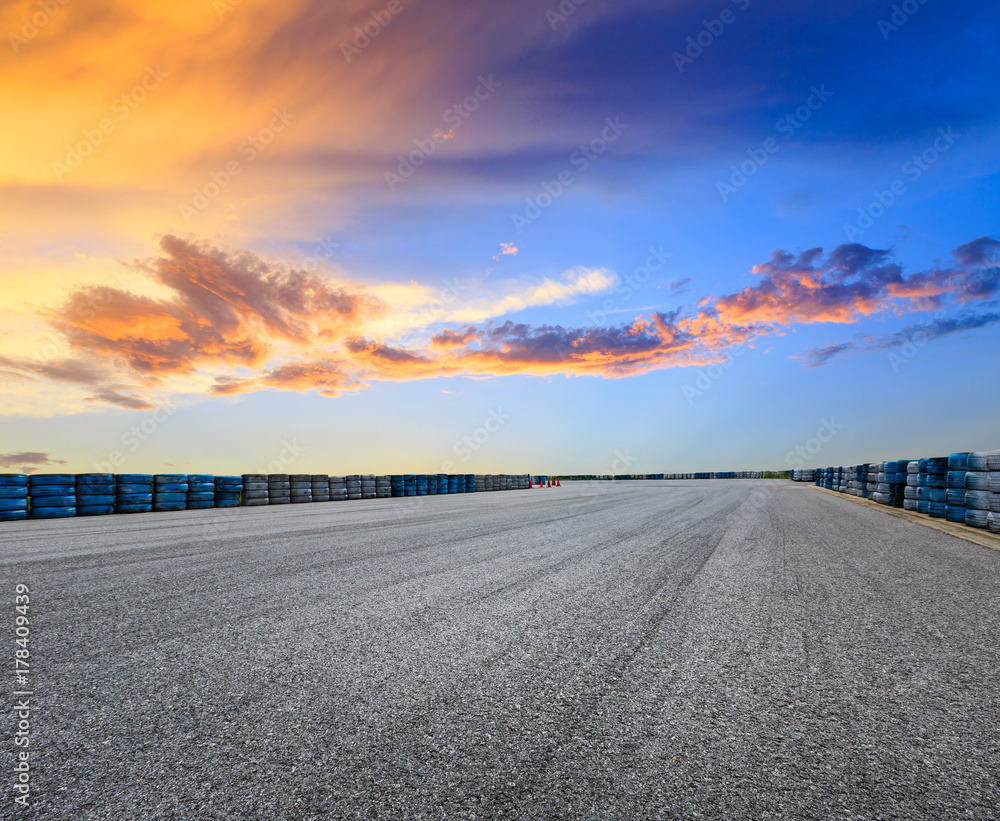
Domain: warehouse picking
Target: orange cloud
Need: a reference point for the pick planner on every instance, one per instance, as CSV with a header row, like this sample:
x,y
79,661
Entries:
x,y
245,324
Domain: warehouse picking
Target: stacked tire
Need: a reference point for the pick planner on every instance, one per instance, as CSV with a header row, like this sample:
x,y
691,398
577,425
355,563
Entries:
x,y
397,486
170,491
454,481
279,489
255,486
95,494
338,488
300,488
409,484
201,491
133,493
912,483
13,497
353,487
52,496
421,483
480,483
368,487
958,467
383,487
978,496
228,491
470,483
993,520
320,487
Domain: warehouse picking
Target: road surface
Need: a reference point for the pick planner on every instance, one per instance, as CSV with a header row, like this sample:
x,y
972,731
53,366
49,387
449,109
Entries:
x,y
637,650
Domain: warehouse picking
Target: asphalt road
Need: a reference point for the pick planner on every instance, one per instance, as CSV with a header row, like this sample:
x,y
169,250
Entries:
x,y
728,649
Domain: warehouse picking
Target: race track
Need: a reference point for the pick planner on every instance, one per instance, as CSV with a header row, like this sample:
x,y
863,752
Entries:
x,y
628,650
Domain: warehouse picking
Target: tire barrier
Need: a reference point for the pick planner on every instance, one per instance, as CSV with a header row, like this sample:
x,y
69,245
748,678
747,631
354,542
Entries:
x,y
52,496
13,497
254,490
279,489
200,492
367,486
963,488
170,491
133,492
228,491
95,494
300,488
353,487
338,488
320,487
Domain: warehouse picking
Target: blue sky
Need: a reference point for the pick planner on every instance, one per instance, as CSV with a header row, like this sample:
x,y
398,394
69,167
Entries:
x,y
616,252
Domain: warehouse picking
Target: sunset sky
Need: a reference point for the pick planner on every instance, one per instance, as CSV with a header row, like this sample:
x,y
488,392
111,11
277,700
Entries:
x,y
467,237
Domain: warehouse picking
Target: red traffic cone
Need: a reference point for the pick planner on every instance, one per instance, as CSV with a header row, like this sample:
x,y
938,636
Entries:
x,y
558,483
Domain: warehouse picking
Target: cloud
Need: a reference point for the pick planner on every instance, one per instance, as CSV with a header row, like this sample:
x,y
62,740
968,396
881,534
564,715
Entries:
x,y
231,322
506,249
915,334
28,461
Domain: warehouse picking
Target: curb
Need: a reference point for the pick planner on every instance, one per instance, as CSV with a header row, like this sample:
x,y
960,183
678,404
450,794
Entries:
x,y
971,534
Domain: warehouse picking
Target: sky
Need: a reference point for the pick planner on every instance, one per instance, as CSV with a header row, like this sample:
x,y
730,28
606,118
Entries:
x,y
469,237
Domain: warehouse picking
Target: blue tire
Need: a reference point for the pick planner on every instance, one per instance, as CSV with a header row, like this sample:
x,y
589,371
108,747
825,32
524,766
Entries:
x,y
52,490
227,502
169,497
13,515
13,480
83,499
170,487
134,508
53,501
134,478
94,510
13,493
124,489
169,505
14,504
958,461
53,512
170,478
201,497
200,478
95,478
955,513
200,504
42,479
134,499
226,496
201,487
230,480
